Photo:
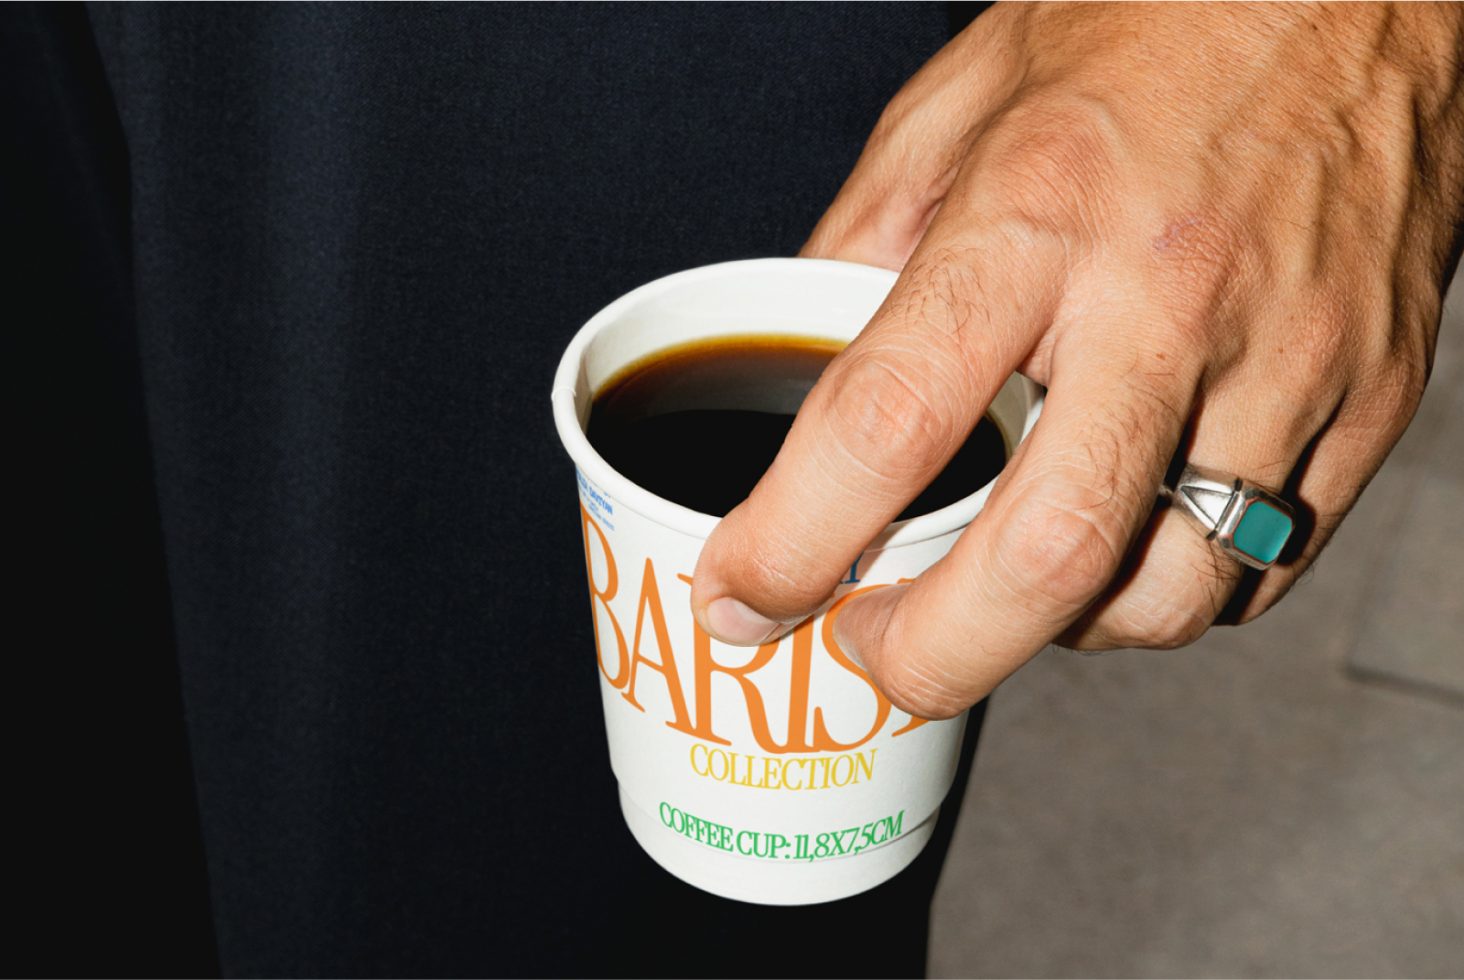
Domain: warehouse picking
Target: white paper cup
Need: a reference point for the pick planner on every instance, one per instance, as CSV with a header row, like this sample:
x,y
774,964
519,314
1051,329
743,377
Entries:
x,y
778,775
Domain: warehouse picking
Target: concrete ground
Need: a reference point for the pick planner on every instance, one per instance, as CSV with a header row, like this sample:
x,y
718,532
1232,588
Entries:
x,y
1281,799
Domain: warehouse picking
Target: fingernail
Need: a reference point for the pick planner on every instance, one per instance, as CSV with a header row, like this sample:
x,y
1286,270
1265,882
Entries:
x,y
734,622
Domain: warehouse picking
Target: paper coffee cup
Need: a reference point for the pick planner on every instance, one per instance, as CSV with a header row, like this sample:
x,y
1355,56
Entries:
x,y
778,775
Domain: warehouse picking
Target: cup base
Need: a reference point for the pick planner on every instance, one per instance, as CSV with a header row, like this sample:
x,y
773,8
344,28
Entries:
x,y
764,882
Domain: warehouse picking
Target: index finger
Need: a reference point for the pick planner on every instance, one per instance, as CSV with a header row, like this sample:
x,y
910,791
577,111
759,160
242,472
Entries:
x,y
887,415
1048,542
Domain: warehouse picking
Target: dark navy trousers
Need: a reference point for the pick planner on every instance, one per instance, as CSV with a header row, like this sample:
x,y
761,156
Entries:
x,y
317,693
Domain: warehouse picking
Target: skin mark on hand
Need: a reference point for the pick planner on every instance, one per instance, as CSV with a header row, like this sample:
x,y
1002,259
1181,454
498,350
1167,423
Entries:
x,y
1176,235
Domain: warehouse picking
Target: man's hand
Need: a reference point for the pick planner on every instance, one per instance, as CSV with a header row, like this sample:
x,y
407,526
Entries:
x,y
1220,231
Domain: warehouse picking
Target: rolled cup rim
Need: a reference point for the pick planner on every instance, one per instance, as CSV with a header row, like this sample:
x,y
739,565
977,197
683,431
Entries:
x,y
693,523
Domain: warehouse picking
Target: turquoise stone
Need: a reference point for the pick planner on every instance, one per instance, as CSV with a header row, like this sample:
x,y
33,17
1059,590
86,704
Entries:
x,y
1262,531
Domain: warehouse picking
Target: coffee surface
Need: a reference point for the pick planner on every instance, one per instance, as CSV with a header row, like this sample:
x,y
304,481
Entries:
x,y
700,424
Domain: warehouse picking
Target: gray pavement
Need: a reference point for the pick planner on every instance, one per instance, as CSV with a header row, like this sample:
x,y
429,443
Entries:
x,y
1281,799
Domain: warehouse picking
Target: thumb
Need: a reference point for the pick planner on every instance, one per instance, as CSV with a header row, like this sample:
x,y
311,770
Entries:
x,y
888,202
911,159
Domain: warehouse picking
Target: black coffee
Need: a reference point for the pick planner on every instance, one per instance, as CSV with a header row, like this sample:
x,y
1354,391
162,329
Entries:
x,y
700,423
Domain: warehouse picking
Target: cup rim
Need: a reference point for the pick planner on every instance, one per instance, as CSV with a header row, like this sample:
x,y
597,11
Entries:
x,y
695,523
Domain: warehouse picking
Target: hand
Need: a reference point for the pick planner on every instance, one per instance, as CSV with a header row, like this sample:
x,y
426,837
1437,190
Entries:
x,y
1221,231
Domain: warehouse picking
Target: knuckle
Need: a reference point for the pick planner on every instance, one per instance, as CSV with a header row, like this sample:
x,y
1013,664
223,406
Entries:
x,y
1312,368
1055,157
1381,405
901,169
895,116
1165,625
886,421
1063,555
1175,597
1321,345
772,583
917,687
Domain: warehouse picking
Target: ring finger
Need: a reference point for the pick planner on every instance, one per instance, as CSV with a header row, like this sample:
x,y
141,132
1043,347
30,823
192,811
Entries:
x,y
1177,581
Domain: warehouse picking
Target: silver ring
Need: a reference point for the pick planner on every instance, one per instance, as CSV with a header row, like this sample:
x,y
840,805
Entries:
x,y
1249,523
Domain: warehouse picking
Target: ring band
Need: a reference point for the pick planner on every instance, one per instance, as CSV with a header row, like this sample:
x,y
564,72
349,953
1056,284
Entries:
x,y
1249,523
